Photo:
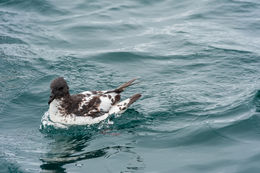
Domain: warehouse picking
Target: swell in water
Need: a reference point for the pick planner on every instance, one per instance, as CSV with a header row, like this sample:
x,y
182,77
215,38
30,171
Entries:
x,y
199,67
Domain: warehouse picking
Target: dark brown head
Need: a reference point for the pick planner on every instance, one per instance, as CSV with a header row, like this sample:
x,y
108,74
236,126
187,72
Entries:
x,y
59,89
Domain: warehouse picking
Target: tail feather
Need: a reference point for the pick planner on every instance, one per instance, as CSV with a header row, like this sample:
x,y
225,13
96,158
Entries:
x,y
121,88
122,106
133,99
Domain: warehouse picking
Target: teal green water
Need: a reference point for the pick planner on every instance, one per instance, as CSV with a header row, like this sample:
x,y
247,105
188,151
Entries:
x,y
199,66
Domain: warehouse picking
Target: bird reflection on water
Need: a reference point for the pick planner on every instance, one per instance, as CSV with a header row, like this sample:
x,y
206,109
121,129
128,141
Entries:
x,y
68,149
75,143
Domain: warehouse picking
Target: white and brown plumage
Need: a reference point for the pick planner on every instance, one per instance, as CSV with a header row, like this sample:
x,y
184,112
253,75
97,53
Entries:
x,y
88,107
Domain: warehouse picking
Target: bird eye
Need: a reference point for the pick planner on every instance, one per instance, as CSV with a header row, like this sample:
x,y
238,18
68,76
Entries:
x,y
61,88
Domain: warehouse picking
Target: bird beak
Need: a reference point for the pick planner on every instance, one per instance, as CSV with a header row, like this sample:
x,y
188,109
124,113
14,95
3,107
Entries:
x,y
51,98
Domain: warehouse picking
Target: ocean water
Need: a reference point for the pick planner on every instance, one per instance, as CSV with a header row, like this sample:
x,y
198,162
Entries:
x,y
199,67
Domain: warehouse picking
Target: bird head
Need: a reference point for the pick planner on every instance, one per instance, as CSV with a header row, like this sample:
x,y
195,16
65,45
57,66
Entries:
x,y
59,89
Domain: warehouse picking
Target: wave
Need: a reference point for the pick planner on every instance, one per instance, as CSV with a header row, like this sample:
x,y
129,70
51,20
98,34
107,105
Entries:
x,y
256,101
10,40
10,166
121,57
39,6
237,124
198,64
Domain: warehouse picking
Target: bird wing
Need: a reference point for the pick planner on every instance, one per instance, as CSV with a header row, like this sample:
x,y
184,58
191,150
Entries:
x,y
97,102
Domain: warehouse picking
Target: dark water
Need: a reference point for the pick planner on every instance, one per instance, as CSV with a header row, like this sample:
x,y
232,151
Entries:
x,y
199,66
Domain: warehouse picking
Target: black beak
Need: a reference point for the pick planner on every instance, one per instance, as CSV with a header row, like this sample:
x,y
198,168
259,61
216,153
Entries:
x,y
51,98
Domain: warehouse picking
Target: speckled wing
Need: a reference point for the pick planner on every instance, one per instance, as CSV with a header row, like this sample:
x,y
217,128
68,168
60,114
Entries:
x,y
96,103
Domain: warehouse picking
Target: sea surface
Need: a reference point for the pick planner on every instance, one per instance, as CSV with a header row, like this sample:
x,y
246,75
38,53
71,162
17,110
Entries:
x,y
198,63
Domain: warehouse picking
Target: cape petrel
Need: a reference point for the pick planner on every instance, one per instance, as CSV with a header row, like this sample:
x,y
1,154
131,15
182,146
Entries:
x,y
88,107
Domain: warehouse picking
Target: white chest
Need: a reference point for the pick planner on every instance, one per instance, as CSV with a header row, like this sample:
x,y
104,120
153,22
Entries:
x,y
56,116
54,110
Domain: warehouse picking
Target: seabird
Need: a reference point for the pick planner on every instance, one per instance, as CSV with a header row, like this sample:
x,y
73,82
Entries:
x,y
88,107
